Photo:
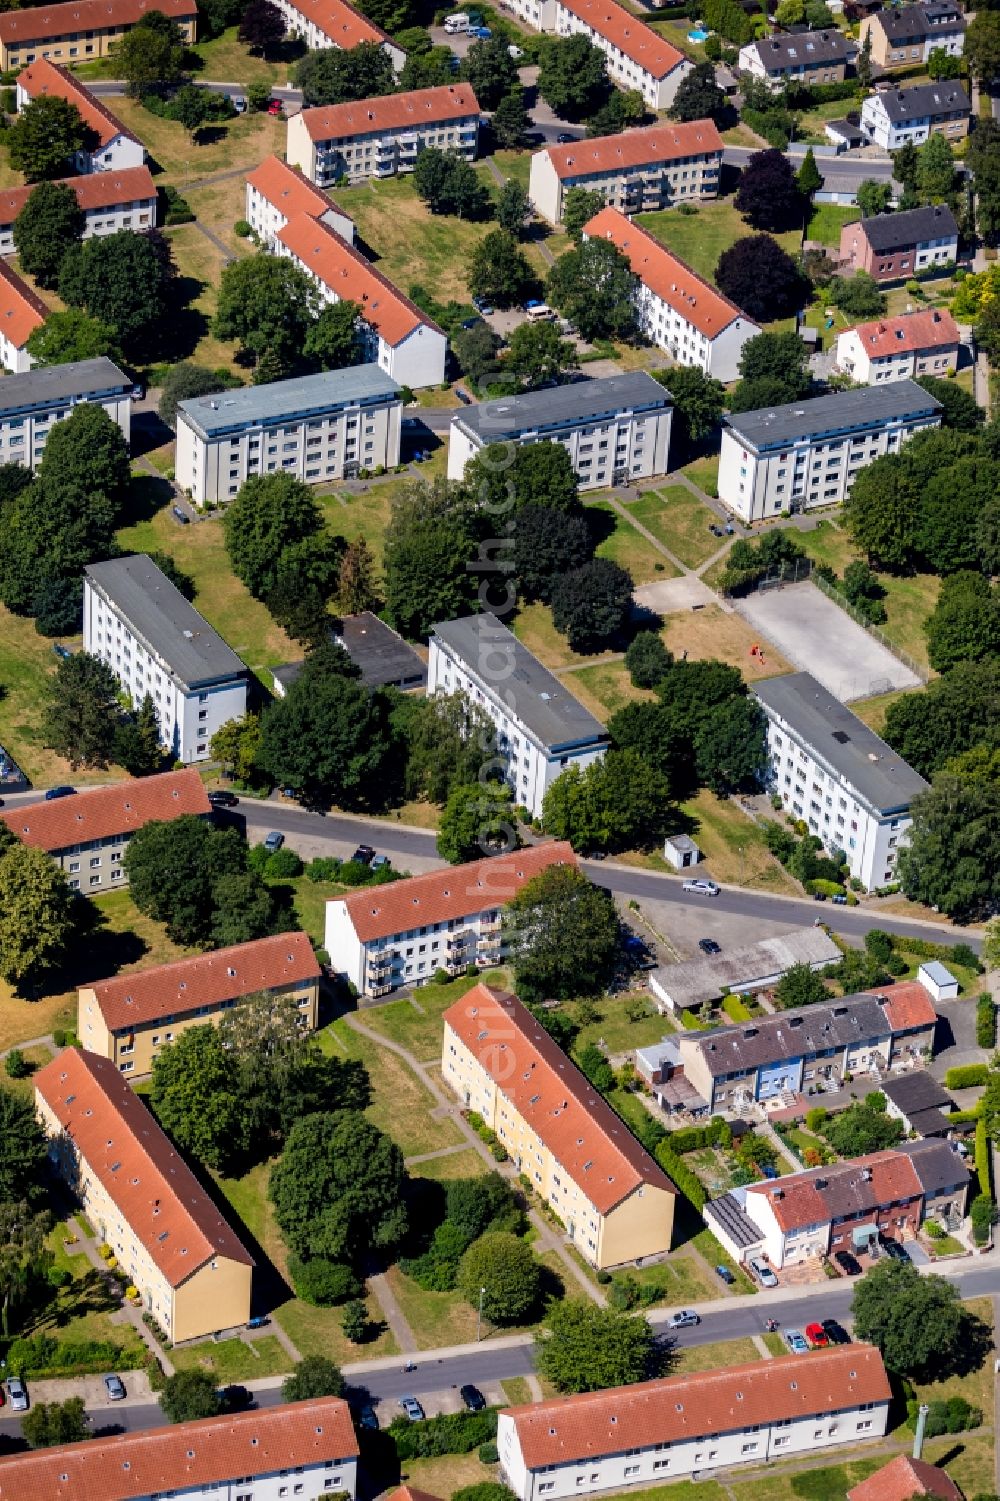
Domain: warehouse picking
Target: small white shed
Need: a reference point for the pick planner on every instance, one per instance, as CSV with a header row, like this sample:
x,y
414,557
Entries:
x,y
681,851
938,981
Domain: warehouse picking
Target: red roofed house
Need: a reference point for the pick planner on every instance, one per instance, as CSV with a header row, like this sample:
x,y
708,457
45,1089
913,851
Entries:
x,y
904,1479
277,192
645,1435
637,171
81,30
903,348
129,1017
616,1202
264,1454
110,201
678,310
637,57
334,23
380,137
386,936
112,146
87,834
143,1200
21,312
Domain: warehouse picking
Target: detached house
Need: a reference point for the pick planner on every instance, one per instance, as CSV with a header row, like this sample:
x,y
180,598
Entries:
x,y
112,146
891,247
903,35
807,57
893,118
903,348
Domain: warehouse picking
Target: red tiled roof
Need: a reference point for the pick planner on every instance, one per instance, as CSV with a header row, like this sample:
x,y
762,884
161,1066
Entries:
x,y
205,980
21,312
345,26
155,1191
43,77
635,148
290,190
187,1456
380,911
931,328
632,37
681,288
94,191
119,809
908,1005
691,1406
903,1478
822,1194
585,1136
450,101
44,23
411,1493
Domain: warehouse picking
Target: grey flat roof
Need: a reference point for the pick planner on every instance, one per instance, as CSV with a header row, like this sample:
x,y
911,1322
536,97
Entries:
x,y
878,773
51,383
925,101
938,972
382,656
914,226
844,411
285,400
583,401
526,688
168,624
693,981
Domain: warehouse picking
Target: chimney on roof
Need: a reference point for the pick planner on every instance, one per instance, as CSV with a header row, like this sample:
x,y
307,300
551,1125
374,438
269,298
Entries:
x,y
866,1175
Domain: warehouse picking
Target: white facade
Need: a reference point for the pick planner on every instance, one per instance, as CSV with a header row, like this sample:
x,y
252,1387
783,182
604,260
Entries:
x,y
114,148
267,218
14,357
332,23
874,365
664,323
114,155
412,956
28,410
882,129
352,142
105,218
623,39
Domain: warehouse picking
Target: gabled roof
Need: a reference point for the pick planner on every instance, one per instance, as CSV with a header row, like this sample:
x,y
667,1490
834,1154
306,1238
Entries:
x,y
21,311
345,26
925,101
903,1479
44,77
916,1090
931,328
290,190
823,1194
938,1165
103,811
665,142
908,1005
912,23
450,101
633,38
43,23
592,1144
154,1190
913,226
94,191
183,1457
681,288
784,50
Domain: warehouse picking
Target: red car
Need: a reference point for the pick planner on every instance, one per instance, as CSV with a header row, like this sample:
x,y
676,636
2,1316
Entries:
x,y
817,1336
275,107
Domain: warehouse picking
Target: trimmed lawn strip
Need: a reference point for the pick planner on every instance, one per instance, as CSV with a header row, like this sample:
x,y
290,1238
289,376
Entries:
x,y
435,1318
723,832
630,550
686,526
401,1106
517,1390
225,59
873,710
699,239
319,1331
908,603
365,514
416,1024
605,689
977,1386
464,1164
828,543
241,144
613,1025
713,1253
831,1483
234,1359
730,1352
828,219
704,473
533,625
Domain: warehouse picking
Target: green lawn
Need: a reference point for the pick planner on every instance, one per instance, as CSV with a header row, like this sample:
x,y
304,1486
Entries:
x,y
534,626
718,1357
681,1281
828,219
704,473
713,1253
908,603
26,664
828,543
873,710
604,689
225,60
465,1163
235,1360
686,521
613,1025
319,1331
699,239
416,1024
629,548
733,845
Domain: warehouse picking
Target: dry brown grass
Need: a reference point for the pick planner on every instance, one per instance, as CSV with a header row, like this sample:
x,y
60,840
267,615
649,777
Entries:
x,y
713,632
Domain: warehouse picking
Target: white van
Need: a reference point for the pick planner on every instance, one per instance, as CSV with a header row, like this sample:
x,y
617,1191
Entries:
x,y
540,312
457,22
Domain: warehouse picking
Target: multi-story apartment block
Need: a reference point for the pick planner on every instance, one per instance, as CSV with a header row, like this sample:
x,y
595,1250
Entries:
x,y
891,247
799,57
155,641
80,31
541,727
383,136
638,171
806,454
317,427
264,1454
32,402
277,192
893,118
830,770
404,342
637,57
143,1200
110,201
404,932
650,1433
21,312
616,1202
334,23
87,834
615,429
112,147
903,35
678,310
914,344
129,1018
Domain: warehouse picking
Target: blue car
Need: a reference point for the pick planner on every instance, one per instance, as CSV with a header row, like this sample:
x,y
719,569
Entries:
x,y
796,1342
53,792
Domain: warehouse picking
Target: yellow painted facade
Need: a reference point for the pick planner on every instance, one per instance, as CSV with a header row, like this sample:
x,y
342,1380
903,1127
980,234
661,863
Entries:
x,y
77,46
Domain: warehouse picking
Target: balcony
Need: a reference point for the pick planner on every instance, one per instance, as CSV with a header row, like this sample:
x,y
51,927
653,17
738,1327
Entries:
x,y
380,963
489,925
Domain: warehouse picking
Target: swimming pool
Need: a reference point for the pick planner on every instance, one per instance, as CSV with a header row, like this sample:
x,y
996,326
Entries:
x,y
697,36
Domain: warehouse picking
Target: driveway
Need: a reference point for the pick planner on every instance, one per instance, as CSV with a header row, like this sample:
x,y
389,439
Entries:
x,y
956,1037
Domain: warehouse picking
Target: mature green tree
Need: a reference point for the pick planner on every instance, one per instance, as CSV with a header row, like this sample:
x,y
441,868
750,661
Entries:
x,y
430,538
193,107
917,1322
563,934
189,1395
952,860
235,745
50,222
22,1148
809,179
333,76
355,1322
72,335
24,1256
647,660
630,800
779,357
988,536
499,271
691,688
86,449
484,1490
594,286
182,382
262,27
196,1100
511,120
505,1266
491,70
579,207
935,170
572,76
151,54
83,712
172,869
430,69
535,474
138,744
800,986
487,1202
125,281
861,1129
880,513
768,196
730,747
449,739
951,715
337,338
859,296
583,1348
537,352
513,207
477,350
622,108
962,413
761,278
37,917
357,585
547,543
699,401
591,605
267,305
44,138
965,623
244,909
699,96
448,184
477,820
315,1376
48,1423
873,197
270,514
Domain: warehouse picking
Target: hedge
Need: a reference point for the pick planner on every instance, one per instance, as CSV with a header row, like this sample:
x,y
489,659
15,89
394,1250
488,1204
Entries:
x,y
958,953
690,1186
966,1076
42,1355
717,1133
451,1433
983,1159
955,1415
986,1021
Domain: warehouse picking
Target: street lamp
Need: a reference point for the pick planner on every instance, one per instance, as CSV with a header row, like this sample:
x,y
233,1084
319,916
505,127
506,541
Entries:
x,y
479,1321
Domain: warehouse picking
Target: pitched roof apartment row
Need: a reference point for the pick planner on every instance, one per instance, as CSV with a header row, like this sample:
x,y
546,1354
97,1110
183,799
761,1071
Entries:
x,y
43,77
345,26
48,22
289,189
21,311
648,146
406,111
95,192
633,38
104,811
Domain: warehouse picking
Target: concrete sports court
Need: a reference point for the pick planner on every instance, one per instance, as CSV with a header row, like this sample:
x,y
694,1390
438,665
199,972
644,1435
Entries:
x,y
819,637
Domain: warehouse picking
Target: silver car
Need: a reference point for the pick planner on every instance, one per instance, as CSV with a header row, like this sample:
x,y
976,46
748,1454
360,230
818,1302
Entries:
x,y
763,1273
18,1394
115,1388
701,888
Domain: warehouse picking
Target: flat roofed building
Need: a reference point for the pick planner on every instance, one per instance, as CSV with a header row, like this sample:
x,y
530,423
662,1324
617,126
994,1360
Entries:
x,y
404,932
122,199
82,30
637,57
678,310
155,641
893,118
383,136
112,146
615,429
903,348
541,727
21,312
31,402
904,35
637,171
86,834
616,1202
754,966
891,247
188,1265
276,192
829,769
334,23
650,1433
128,1018
808,57
807,453
380,654
246,1453
318,428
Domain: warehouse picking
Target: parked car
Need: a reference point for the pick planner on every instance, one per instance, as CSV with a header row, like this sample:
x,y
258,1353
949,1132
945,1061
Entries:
x,y
483,306
796,1342
53,792
765,1276
239,103
222,799
701,888
769,1170
482,33
727,1276
276,108
260,1321
849,1265
472,1397
412,1408
364,854
62,652
273,842
368,1417
565,137
236,1399
180,515
18,1394
115,1388
835,1333
709,946
380,862
683,1320
515,52
463,396
817,1336
894,1250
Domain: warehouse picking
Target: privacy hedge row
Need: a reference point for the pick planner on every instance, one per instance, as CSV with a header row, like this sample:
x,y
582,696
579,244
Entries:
x,y
451,1433
966,1076
986,1021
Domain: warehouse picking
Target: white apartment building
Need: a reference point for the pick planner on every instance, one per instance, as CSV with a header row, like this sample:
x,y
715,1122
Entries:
x,y
678,310
403,342
541,728
404,932
647,1434
614,429
806,454
277,192
798,57
922,343
110,201
334,23
30,403
300,1449
381,137
829,769
637,56
316,427
893,118
21,312
156,642
638,171
112,146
